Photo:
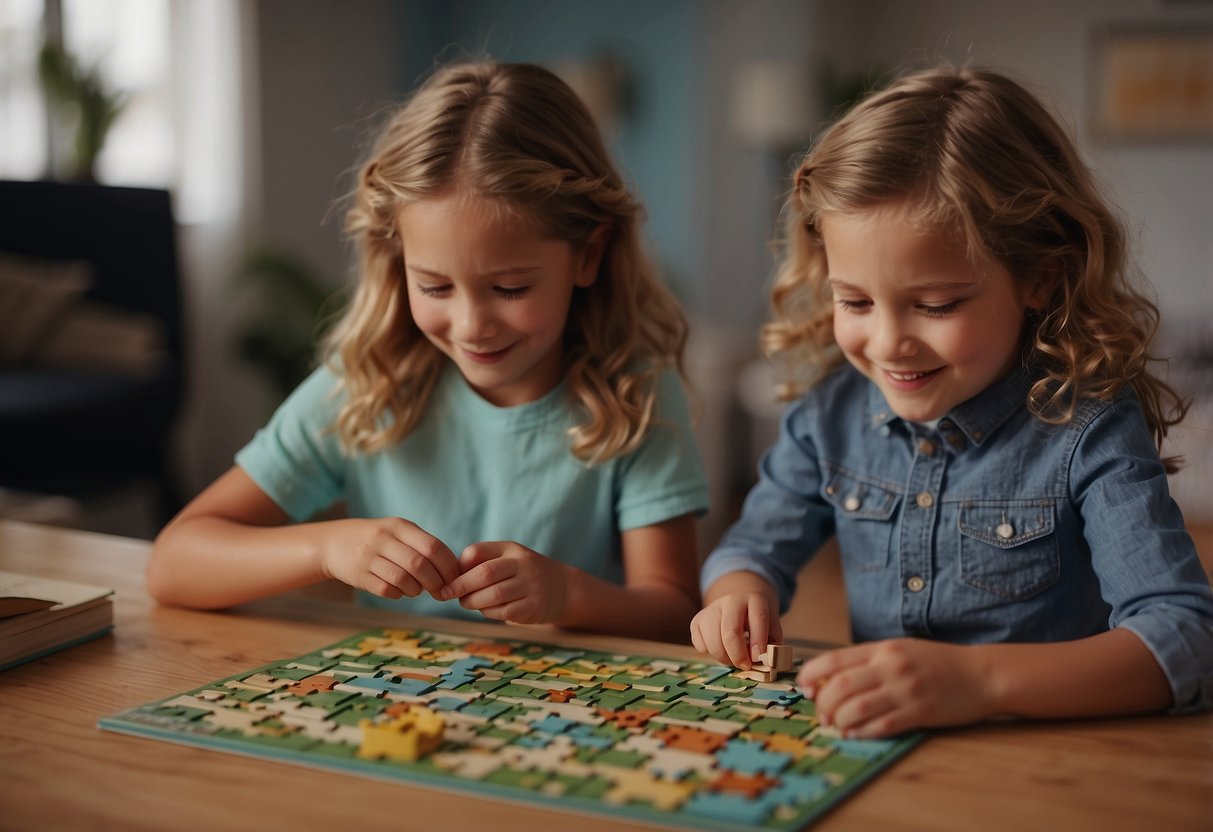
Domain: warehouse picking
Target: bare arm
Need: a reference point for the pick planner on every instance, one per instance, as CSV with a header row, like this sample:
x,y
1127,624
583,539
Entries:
x,y
233,544
661,593
887,687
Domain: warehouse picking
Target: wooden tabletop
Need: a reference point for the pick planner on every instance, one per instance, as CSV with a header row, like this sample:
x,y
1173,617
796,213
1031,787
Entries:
x,y
59,771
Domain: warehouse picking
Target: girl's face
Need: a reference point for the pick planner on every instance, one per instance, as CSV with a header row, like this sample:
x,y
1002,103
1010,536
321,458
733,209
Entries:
x,y
492,293
930,327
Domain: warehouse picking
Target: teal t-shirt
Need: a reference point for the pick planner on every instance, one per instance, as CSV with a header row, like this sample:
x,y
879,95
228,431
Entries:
x,y
471,471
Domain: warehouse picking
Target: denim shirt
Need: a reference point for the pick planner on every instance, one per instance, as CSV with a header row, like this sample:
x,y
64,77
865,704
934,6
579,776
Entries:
x,y
990,527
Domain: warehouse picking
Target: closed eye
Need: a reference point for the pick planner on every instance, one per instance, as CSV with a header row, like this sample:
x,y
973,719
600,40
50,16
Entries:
x,y
433,291
940,310
853,305
511,292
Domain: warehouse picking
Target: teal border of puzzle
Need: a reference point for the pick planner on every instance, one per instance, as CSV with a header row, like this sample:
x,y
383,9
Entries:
x,y
127,722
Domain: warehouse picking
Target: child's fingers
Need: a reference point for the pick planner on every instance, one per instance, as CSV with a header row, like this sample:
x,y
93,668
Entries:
x,y
478,577
440,559
824,665
841,688
395,581
732,636
419,554
866,712
709,637
760,629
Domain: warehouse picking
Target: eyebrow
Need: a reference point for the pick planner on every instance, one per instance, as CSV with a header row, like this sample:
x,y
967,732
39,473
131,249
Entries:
x,y
913,287
504,270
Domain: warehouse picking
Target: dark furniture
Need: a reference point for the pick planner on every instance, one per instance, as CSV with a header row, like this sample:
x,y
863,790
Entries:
x,y
86,433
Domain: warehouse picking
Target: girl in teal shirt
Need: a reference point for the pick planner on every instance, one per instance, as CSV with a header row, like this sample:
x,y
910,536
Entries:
x,y
500,409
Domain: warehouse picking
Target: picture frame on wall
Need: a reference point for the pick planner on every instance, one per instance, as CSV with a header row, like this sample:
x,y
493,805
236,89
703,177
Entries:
x,y
1152,83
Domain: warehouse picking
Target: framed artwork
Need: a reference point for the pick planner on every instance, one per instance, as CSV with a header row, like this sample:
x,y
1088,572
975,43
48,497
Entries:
x,y
1152,83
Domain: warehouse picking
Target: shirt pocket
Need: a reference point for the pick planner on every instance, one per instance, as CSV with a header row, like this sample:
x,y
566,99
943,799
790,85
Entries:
x,y
864,515
1008,548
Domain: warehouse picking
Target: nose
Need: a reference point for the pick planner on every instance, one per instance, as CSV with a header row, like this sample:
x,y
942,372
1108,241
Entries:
x,y
891,337
473,321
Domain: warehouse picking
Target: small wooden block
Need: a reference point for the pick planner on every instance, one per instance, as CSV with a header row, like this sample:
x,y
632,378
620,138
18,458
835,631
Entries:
x,y
778,656
759,673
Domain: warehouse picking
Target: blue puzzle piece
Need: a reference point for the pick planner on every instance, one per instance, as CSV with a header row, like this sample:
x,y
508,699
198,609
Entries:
x,y
469,664
751,758
456,679
552,724
796,788
533,741
776,697
584,735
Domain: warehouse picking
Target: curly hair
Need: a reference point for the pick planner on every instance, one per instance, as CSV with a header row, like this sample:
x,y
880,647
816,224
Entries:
x,y
518,136
977,155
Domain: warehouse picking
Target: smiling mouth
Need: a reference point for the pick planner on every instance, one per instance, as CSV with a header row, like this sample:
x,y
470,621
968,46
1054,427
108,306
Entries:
x,y
910,376
486,357
907,382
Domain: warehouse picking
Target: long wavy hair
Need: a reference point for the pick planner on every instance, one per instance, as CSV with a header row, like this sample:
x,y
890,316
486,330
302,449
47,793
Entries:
x,y
517,135
977,155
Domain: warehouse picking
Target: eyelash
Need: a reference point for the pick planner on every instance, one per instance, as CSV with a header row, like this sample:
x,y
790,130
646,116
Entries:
x,y
930,311
504,292
940,311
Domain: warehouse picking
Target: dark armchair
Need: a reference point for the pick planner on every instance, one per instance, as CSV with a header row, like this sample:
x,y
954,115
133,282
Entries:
x,y
84,428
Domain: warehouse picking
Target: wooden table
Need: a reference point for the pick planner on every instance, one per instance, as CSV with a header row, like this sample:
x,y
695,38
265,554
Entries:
x,y
59,772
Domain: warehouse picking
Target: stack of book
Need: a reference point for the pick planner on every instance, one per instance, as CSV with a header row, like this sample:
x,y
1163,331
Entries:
x,y
39,616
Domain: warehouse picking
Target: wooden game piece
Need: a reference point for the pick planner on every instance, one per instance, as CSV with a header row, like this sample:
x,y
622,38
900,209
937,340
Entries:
x,y
758,672
779,657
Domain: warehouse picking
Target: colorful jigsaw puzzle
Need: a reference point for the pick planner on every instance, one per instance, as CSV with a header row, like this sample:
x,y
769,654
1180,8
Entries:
x,y
667,741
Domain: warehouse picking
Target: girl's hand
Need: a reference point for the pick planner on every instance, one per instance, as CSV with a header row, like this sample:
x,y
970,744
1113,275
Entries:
x,y
507,581
887,687
720,629
387,556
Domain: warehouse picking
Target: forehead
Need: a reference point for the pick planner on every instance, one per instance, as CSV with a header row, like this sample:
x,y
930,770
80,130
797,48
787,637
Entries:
x,y
466,208
892,245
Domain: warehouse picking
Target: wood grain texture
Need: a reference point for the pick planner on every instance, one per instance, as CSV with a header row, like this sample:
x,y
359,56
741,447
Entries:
x,y
59,771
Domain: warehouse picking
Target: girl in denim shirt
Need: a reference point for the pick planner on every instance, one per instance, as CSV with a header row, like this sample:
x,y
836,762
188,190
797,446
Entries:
x,y
980,430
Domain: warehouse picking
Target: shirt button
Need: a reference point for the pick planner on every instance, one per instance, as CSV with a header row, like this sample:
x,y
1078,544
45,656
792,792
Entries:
x,y
924,499
1005,530
884,430
915,584
926,447
851,503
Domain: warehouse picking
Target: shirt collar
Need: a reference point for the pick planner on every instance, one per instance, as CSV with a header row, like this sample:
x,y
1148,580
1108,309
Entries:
x,y
976,418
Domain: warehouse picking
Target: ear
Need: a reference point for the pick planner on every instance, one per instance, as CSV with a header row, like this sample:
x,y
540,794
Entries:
x,y
589,258
1040,286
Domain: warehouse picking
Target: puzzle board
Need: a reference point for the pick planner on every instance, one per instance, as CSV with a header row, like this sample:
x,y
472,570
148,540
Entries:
x,y
680,743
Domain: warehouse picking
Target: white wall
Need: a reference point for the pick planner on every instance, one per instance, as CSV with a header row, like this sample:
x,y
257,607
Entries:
x,y
318,73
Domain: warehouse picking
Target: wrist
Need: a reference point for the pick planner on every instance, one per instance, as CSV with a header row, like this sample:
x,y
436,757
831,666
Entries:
x,y
992,678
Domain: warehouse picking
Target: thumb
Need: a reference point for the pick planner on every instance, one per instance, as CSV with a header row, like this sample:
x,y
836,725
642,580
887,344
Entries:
x,y
479,553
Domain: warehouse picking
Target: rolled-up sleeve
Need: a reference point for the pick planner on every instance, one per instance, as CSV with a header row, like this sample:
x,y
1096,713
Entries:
x,y
1148,569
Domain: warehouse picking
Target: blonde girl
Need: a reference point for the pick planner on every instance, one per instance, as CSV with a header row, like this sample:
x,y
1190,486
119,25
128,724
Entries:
x,y
978,425
500,409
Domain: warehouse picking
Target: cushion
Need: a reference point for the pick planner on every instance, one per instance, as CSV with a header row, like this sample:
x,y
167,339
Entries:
x,y
34,293
98,336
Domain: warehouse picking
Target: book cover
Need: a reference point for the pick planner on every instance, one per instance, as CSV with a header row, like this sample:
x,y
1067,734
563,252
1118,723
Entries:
x,y
41,615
